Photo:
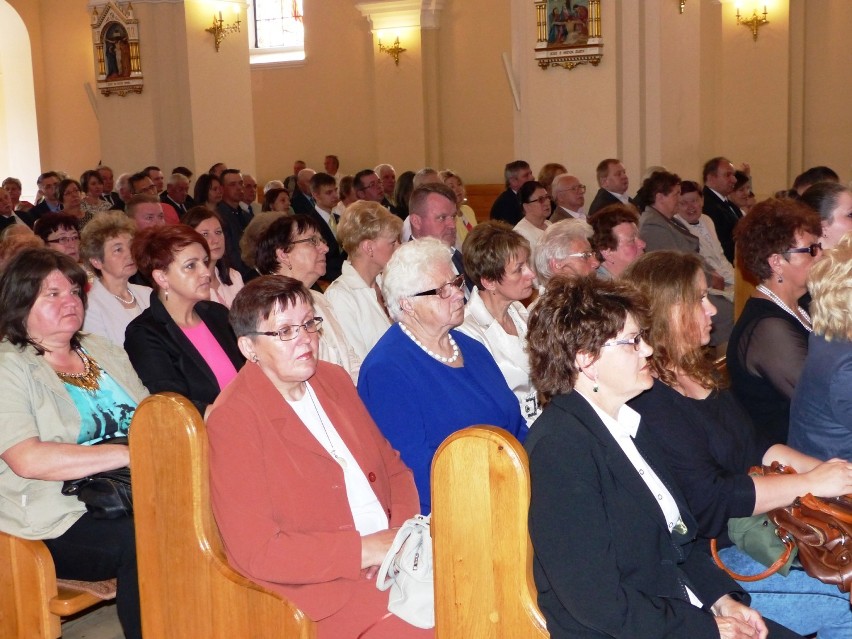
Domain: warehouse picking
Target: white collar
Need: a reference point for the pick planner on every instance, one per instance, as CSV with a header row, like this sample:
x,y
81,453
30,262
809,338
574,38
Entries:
x,y
627,424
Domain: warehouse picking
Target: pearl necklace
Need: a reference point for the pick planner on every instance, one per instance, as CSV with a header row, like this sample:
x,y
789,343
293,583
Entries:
x,y
440,358
807,326
132,299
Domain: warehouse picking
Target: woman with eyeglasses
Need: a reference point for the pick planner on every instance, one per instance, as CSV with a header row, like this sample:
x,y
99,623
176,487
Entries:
x,y
536,204
70,195
182,343
61,232
293,246
424,380
327,490
613,539
225,282
777,243
709,444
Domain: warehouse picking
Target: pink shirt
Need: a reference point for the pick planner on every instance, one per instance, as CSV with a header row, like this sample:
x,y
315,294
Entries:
x,y
212,352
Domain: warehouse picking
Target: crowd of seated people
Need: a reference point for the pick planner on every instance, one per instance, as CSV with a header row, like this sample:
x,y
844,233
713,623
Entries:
x,y
328,344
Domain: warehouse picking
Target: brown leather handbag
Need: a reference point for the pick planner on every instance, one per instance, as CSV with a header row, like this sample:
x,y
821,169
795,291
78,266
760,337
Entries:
x,y
819,527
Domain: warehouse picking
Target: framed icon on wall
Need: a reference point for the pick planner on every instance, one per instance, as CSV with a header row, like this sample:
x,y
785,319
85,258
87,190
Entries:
x,y
115,37
568,33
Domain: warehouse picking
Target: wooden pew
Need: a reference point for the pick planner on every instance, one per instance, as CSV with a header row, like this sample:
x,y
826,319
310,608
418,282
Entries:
x,y
187,587
32,600
480,197
482,552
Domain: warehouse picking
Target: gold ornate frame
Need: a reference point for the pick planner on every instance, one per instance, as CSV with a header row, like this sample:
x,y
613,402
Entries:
x,y
115,37
568,33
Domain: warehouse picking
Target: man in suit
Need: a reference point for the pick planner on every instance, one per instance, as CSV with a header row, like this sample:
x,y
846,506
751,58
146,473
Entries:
x,y
141,183
47,183
387,174
250,202
177,194
613,183
122,187
234,218
432,210
290,182
570,196
108,178
301,200
719,180
324,192
507,206
157,177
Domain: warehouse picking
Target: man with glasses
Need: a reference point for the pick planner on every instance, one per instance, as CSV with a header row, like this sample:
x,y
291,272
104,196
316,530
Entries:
x,y
507,206
613,182
141,183
47,184
324,192
7,211
570,196
368,186
432,210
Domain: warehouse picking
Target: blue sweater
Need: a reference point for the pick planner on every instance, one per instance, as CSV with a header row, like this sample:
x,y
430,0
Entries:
x,y
418,402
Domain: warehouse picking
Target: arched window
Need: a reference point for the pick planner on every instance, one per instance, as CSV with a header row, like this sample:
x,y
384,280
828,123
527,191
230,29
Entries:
x,y
276,31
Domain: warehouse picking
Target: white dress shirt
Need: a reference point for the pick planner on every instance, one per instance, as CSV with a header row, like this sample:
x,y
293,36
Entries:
x,y
507,350
357,308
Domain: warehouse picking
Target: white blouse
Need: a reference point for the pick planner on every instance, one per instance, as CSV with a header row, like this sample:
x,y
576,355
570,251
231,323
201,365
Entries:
x,y
333,345
108,317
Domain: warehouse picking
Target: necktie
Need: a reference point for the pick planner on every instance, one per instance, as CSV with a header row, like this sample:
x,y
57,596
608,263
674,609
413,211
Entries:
x,y
332,224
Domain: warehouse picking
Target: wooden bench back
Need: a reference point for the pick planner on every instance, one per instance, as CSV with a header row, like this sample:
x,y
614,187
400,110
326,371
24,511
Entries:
x,y
187,587
482,552
480,197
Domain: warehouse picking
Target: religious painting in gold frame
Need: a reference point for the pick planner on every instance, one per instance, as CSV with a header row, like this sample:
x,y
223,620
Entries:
x,y
568,33
115,37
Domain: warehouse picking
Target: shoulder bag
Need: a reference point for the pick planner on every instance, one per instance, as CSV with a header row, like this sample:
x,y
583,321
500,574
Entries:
x,y
107,494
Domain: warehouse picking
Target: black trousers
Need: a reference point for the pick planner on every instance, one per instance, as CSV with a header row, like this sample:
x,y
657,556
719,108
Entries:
x,y
97,549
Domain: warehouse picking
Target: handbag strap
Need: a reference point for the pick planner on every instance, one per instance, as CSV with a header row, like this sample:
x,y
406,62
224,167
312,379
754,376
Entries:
x,y
775,567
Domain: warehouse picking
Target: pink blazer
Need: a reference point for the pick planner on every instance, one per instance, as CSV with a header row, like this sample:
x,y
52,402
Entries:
x,y
279,498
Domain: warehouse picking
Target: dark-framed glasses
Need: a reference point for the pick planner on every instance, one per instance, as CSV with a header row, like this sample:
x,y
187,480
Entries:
x,y
291,331
540,200
314,240
813,249
445,290
634,341
67,239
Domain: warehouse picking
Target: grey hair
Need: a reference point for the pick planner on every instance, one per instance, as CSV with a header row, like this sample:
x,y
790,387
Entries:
x,y
408,267
424,175
555,243
381,167
272,184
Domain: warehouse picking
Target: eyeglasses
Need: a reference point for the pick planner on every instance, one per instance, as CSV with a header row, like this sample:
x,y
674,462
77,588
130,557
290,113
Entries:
x,y
291,331
69,239
635,341
445,290
540,200
580,188
314,240
813,249
586,255
368,186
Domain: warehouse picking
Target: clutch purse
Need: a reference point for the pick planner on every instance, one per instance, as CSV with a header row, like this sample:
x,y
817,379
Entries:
x,y
107,494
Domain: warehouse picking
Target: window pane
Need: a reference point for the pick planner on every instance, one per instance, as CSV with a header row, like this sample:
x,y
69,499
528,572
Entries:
x,y
278,23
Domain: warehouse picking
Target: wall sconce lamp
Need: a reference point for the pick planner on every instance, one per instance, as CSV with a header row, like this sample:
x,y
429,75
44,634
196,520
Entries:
x,y
393,51
682,5
754,23
219,31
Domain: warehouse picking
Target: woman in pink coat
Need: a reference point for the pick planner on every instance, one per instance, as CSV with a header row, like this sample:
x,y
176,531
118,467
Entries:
x,y
306,491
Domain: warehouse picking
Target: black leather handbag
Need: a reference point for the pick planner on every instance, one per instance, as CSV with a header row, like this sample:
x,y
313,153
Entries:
x,y
107,494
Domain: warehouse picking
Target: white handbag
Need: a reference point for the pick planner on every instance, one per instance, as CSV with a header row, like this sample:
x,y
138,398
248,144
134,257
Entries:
x,y
407,571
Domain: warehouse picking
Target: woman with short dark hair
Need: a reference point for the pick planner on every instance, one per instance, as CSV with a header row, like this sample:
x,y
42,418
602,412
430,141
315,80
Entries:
x,y
92,203
613,539
61,232
777,243
833,202
63,391
207,191
182,343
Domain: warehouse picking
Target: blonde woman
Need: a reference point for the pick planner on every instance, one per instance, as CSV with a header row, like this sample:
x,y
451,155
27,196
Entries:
x,y
369,234
466,219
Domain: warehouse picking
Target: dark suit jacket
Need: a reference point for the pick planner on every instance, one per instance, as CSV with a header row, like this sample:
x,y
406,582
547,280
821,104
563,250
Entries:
x,y
181,209
507,207
336,256
37,211
604,198
166,360
605,564
301,203
234,223
725,216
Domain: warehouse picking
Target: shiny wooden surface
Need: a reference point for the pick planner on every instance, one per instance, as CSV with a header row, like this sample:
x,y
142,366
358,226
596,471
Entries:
x,y
482,553
480,197
187,587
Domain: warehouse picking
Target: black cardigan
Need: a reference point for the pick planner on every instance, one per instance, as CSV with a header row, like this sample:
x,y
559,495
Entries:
x,y
166,360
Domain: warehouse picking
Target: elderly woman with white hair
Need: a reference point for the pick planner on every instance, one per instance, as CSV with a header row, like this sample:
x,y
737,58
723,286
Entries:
x,y
369,234
564,249
424,380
